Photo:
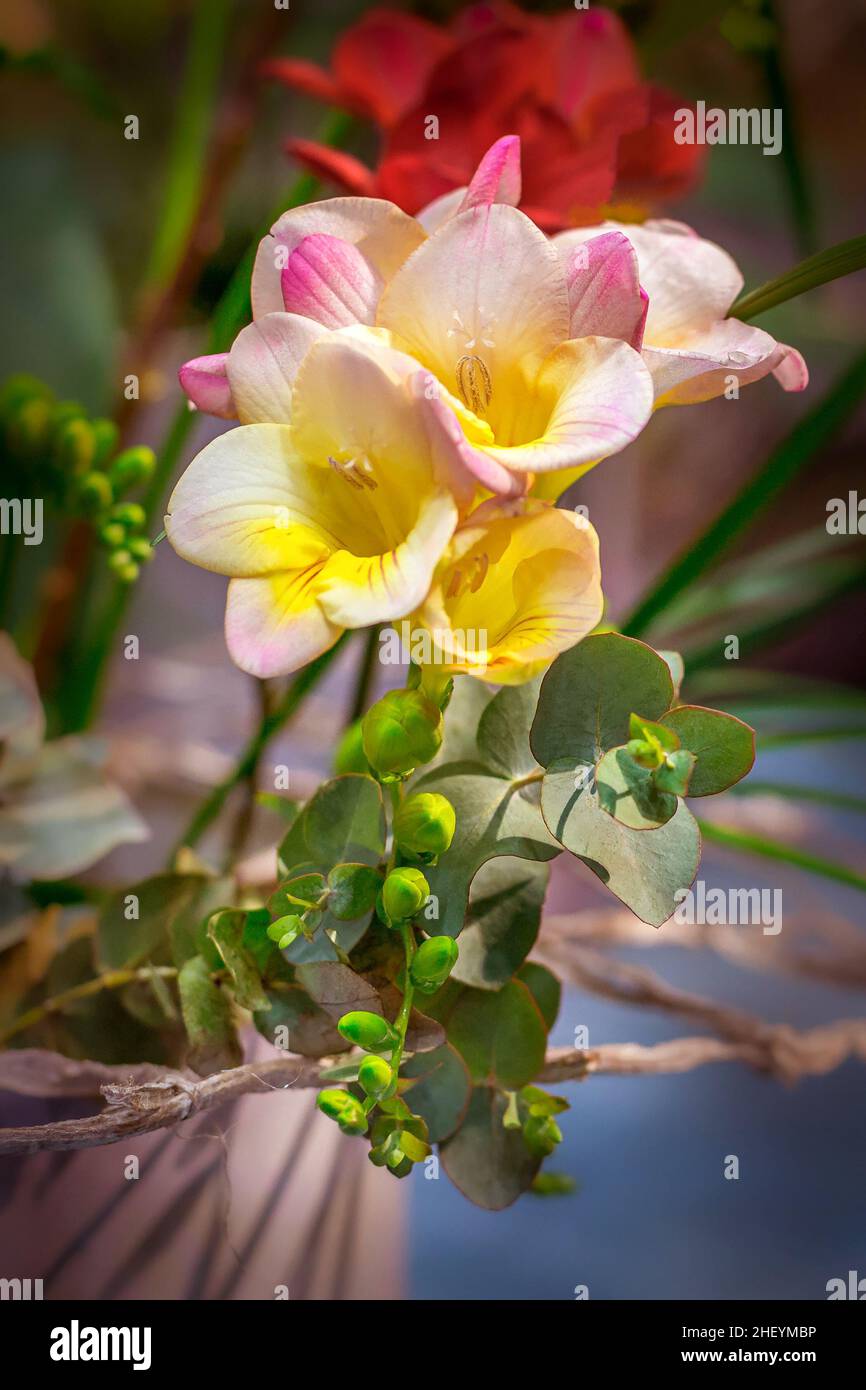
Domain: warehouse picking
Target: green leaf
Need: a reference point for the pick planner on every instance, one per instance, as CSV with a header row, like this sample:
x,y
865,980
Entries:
x,y
724,747
226,930
337,989
503,730
343,822
167,914
207,1017
494,817
731,838
629,793
307,1029
440,1089
353,889
589,694
545,989
644,868
500,1035
809,435
842,259
488,1163
502,921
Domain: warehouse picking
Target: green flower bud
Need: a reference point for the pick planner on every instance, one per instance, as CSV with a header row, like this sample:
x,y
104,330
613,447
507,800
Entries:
x,y
404,893
94,493
105,436
345,1109
132,467
112,535
425,824
130,514
433,962
19,389
74,447
123,565
401,731
375,1077
367,1030
28,425
349,756
285,930
139,548
542,1134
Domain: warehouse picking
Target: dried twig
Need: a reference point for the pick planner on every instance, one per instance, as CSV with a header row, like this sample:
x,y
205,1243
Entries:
x,y
140,1100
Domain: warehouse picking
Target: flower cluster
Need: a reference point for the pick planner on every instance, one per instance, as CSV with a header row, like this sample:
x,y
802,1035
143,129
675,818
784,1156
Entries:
x,y
413,393
598,140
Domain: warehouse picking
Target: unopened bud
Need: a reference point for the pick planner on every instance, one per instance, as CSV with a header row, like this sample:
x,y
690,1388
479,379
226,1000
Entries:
x,y
404,893
367,1030
375,1077
425,824
400,732
433,962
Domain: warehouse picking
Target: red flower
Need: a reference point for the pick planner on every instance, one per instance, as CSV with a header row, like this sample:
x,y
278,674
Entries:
x,y
597,140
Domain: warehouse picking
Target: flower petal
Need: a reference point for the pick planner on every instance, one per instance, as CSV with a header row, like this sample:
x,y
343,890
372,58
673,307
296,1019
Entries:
x,y
487,285
263,364
383,234
497,178
729,353
204,380
357,590
604,293
274,625
691,282
328,279
591,397
521,584
247,506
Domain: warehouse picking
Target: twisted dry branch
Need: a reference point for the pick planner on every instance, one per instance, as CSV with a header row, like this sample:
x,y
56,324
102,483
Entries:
x,y
142,1099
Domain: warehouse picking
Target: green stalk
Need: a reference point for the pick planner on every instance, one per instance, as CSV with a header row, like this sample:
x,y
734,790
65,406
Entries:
x,y
793,163
842,259
782,467
113,979
819,795
188,149
770,849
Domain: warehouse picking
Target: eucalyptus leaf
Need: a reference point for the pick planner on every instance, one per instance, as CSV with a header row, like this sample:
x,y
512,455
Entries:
x,y
545,989
643,868
488,1163
337,989
500,1035
440,1089
502,921
166,914
724,747
292,1020
495,816
630,794
589,694
226,930
207,1016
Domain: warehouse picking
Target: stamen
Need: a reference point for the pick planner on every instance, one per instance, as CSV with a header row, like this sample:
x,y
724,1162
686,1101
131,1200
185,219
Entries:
x,y
474,383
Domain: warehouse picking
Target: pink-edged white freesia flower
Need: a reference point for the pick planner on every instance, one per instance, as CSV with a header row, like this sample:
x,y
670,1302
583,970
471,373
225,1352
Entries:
x,y
537,362
690,345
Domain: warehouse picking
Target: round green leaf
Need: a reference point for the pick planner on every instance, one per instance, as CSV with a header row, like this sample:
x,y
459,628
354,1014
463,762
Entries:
x,y
724,747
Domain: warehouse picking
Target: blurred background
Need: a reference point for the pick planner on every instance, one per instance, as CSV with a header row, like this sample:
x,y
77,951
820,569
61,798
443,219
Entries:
x,y
118,256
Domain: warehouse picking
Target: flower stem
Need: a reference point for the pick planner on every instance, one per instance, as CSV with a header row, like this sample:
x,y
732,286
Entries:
x,y
401,1022
113,979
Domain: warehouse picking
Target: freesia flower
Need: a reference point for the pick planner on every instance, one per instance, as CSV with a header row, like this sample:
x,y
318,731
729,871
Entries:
x,y
333,518
595,135
519,584
536,361
690,345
